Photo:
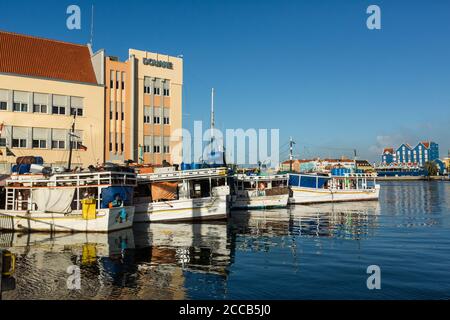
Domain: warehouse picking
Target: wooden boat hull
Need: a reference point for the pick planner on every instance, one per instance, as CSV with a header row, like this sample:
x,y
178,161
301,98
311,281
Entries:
x,y
301,195
260,202
210,208
107,220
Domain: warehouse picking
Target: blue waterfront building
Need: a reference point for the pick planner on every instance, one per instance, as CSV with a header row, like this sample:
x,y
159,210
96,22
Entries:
x,y
423,152
388,156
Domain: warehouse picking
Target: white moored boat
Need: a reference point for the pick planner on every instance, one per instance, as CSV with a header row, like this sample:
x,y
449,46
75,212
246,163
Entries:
x,y
69,202
260,191
187,195
316,189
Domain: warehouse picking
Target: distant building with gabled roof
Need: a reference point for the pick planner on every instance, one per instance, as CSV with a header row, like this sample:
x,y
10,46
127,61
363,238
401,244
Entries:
x,y
423,152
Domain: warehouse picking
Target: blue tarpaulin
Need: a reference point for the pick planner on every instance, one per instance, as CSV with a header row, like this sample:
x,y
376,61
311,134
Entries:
x,y
109,195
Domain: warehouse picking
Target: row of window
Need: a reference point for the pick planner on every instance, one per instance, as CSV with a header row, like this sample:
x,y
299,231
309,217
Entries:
x,y
156,149
156,90
122,85
111,115
39,143
41,108
116,147
119,80
156,120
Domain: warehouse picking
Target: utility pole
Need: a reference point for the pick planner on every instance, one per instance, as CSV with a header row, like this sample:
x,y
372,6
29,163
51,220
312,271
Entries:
x,y
291,146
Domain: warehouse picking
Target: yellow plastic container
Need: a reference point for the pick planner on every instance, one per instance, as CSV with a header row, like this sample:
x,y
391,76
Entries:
x,y
89,209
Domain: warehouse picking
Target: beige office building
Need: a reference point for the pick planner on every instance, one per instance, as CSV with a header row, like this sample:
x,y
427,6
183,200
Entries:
x,y
43,83
143,108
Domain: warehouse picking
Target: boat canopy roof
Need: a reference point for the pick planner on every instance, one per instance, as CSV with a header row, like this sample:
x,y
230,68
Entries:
x,y
196,174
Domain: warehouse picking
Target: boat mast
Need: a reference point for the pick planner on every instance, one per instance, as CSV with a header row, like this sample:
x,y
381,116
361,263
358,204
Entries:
x,y
212,117
291,157
71,134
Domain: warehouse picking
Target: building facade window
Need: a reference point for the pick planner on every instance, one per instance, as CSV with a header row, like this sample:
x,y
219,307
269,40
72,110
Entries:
x,y
40,108
20,107
111,81
59,110
4,98
166,120
76,111
156,149
20,101
166,88
20,137
147,85
166,149
19,143
147,119
40,136
58,144
156,120
59,137
2,142
76,106
39,144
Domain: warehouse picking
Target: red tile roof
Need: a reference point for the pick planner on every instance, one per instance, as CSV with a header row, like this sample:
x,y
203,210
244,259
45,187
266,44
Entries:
x,y
43,58
390,150
296,161
426,144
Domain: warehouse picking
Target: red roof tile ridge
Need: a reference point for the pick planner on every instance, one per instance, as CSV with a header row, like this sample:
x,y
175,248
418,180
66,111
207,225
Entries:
x,y
42,38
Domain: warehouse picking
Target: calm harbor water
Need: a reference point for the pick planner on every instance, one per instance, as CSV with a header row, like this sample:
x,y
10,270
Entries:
x,y
303,252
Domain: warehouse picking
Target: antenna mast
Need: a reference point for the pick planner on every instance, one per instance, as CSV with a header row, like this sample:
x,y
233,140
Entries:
x,y
92,27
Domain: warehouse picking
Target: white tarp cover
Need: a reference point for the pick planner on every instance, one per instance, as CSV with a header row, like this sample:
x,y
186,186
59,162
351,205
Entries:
x,y
53,200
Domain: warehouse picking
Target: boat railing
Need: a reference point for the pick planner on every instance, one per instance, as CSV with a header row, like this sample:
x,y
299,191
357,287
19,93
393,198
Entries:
x,y
245,177
183,175
88,179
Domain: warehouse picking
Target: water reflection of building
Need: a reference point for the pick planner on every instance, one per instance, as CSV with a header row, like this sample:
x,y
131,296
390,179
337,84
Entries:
x,y
411,200
152,262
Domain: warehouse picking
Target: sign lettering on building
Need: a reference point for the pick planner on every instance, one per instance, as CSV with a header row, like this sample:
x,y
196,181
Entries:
x,y
158,63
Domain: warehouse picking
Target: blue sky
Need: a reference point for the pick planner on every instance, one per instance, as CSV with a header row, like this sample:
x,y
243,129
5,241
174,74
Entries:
x,y
310,68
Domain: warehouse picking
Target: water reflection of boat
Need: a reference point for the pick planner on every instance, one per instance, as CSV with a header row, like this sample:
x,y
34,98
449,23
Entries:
x,y
199,247
43,263
352,221
105,244
152,261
